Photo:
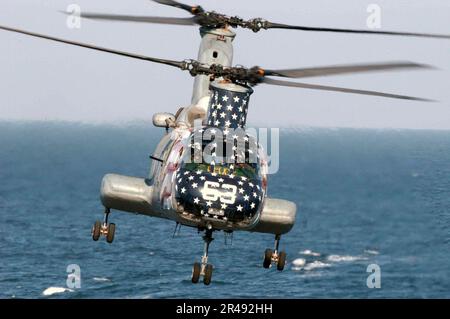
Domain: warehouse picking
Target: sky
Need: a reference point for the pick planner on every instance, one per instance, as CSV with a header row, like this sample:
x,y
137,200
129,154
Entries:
x,y
42,80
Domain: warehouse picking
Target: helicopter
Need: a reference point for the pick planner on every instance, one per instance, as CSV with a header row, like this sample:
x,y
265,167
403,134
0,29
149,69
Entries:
x,y
192,181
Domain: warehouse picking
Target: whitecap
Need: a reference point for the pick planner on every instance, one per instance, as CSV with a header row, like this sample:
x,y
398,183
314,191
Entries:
x,y
371,252
337,258
308,252
101,279
55,290
299,262
316,265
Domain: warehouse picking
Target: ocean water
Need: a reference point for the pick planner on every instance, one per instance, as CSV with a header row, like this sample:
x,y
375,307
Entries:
x,y
364,197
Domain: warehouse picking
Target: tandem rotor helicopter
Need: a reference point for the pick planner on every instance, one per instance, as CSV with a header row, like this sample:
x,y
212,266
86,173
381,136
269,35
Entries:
x,y
190,181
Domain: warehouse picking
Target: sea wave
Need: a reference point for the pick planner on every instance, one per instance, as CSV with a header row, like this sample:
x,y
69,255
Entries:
x,y
338,258
55,290
308,252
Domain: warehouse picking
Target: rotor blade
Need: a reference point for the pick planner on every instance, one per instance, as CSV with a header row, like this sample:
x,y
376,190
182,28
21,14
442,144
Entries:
x,y
271,25
88,46
343,90
343,69
172,3
144,19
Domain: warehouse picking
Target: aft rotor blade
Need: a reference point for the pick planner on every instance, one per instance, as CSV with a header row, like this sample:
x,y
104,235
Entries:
x,y
271,25
190,9
344,69
142,19
177,64
339,89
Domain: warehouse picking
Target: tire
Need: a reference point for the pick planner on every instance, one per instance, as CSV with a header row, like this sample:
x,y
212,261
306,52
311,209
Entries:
x,y
281,261
111,232
208,274
196,273
96,230
267,258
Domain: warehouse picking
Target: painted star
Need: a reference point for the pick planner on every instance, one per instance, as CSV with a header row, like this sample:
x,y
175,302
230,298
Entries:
x,y
255,195
243,178
235,136
234,116
185,173
183,190
202,178
231,175
208,203
239,208
231,166
213,131
229,107
241,191
179,180
252,205
225,132
196,200
194,185
198,172
227,123
241,183
223,206
217,122
241,109
214,174
191,178
220,180
251,184
246,198
222,115
225,98
236,99
219,106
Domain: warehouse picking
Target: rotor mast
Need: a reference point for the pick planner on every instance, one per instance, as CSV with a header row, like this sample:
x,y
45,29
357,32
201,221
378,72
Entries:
x,y
215,48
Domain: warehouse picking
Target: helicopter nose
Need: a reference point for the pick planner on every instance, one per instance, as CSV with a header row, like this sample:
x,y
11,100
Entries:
x,y
226,197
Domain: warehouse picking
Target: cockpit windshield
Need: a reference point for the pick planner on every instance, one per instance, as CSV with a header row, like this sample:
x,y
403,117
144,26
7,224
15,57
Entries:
x,y
229,159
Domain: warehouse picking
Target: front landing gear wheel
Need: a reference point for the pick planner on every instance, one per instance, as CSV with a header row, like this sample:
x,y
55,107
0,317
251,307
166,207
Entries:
x,y
267,258
110,233
96,230
208,274
281,260
196,270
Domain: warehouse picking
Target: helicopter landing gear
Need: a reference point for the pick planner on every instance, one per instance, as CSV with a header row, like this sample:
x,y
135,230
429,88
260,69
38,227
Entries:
x,y
275,257
204,269
105,229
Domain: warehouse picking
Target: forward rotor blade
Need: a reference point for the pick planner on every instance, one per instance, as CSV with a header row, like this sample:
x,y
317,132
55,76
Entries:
x,y
271,25
93,47
143,19
190,9
343,69
343,90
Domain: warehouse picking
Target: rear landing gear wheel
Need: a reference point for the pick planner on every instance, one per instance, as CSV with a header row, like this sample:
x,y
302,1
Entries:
x,y
196,270
267,258
208,274
110,233
96,230
281,260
